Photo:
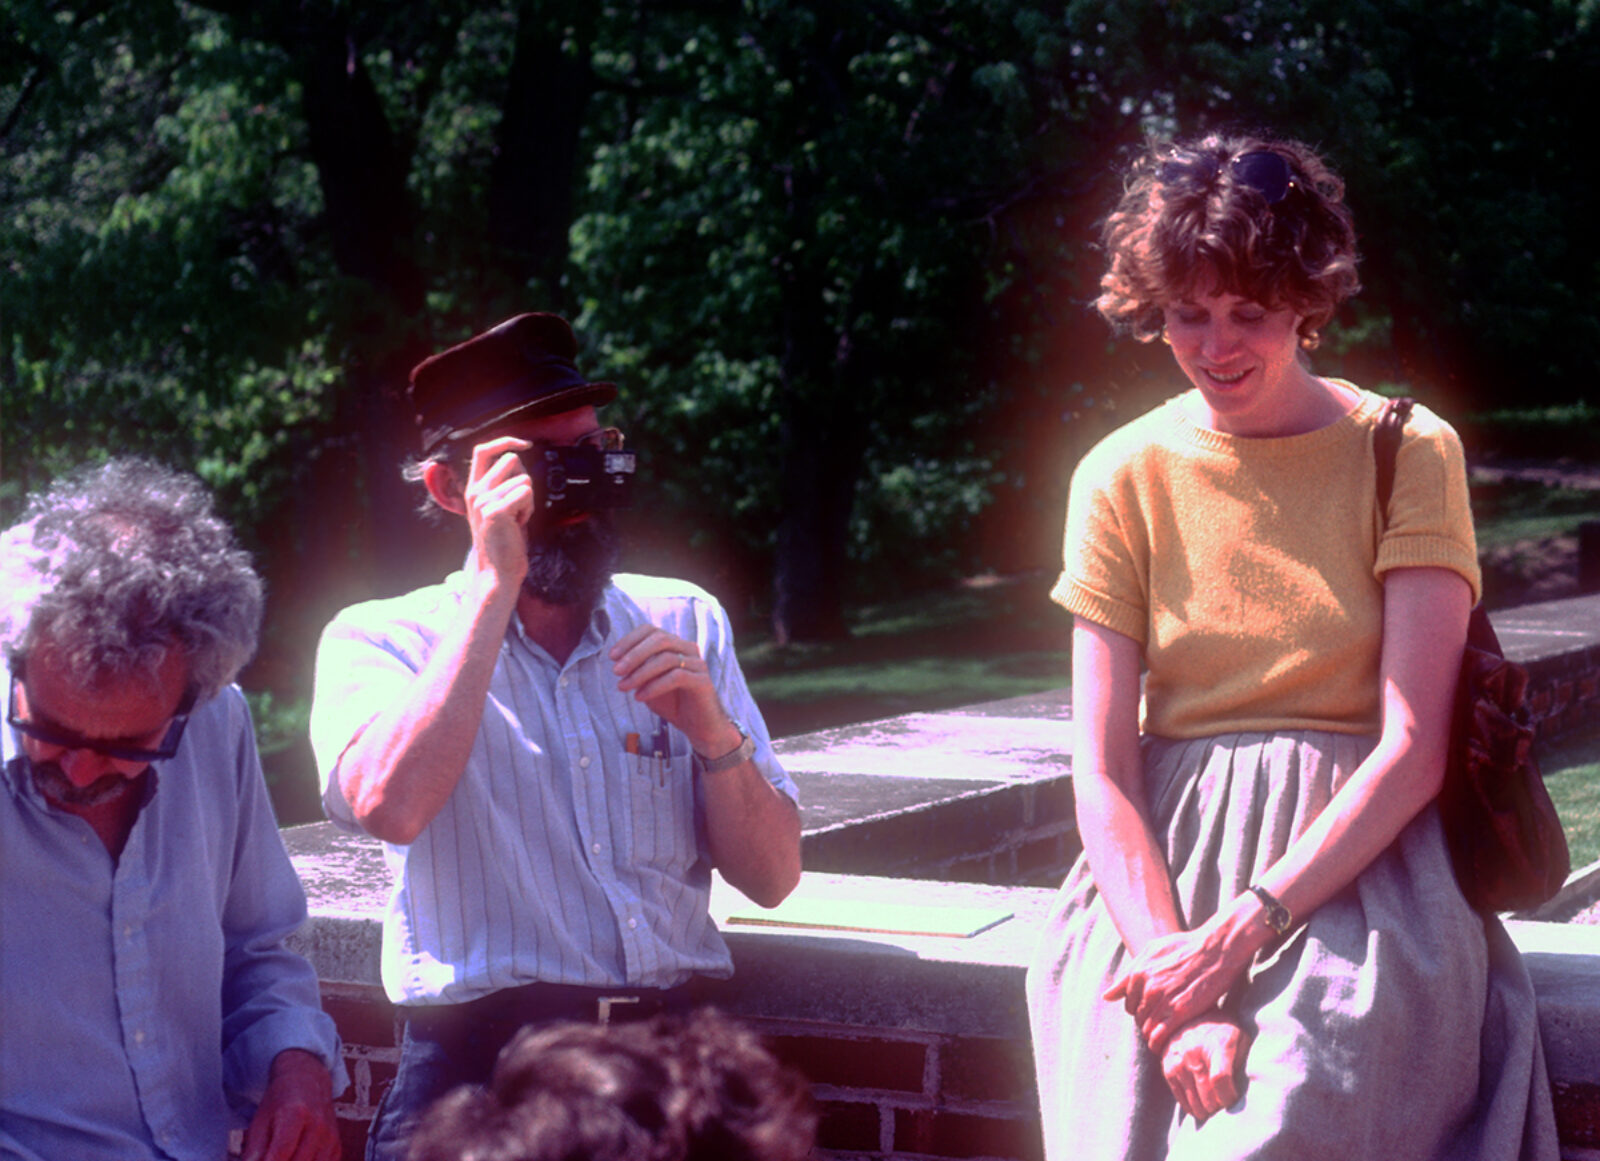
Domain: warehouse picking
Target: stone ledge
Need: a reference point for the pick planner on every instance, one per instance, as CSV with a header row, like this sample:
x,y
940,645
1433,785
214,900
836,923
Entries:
x,y
941,984
1559,643
983,793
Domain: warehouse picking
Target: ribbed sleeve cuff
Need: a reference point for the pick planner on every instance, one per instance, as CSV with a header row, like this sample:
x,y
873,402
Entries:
x,y
1083,602
1430,552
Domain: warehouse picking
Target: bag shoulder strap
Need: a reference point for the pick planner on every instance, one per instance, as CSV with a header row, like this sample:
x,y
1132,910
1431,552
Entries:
x,y
1386,445
1386,448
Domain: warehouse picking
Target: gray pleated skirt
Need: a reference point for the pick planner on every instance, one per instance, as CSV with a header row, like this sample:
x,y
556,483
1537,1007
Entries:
x,y
1396,1023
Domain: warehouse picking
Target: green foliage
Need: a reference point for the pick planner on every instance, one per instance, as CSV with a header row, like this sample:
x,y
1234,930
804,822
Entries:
x,y
279,724
860,229
1569,430
153,211
833,181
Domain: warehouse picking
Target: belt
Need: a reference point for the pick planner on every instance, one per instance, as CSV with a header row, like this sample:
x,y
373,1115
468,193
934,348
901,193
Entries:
x,y
511,1008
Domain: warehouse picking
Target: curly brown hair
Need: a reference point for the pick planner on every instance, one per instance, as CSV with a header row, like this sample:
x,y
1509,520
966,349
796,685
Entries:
x,y
1187,222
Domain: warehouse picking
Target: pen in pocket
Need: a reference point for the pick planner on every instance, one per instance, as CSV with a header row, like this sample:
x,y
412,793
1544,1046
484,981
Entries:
x,y
661,750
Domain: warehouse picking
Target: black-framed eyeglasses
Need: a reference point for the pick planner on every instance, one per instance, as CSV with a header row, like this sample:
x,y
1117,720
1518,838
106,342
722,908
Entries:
x,y
1262,170
71,740
601,439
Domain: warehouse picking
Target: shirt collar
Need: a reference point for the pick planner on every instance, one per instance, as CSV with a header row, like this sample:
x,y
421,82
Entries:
x,y
594,636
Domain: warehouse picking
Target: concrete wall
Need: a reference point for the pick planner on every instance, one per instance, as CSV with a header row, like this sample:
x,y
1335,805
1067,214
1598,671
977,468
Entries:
x,y
916,1043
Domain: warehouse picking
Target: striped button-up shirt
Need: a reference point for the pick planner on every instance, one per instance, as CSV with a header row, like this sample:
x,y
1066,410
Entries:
x,y
563,855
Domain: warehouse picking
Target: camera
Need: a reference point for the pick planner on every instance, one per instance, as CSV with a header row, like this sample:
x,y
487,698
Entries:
x,y
569,480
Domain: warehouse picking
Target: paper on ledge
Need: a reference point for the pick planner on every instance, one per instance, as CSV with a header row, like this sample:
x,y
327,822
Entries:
x,y
877,917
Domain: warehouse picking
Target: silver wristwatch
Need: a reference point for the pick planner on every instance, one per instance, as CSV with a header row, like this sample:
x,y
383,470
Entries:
x,y
737,756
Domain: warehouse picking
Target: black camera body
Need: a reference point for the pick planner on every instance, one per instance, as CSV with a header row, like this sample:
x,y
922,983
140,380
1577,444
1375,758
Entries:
x,y
570,480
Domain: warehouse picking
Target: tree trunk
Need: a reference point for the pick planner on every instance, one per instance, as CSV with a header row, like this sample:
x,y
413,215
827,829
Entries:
x,y
820,469
821,447
370,220
531,184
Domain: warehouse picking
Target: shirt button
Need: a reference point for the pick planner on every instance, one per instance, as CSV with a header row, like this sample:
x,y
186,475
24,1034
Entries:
x,y
138,1036
632,923
584,761
595,848
564,683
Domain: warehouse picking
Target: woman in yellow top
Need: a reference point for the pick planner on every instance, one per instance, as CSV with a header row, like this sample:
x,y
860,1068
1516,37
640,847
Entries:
x,y
1263,952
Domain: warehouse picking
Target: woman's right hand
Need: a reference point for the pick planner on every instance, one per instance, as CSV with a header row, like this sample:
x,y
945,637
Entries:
x,y
1204,1065
1176,978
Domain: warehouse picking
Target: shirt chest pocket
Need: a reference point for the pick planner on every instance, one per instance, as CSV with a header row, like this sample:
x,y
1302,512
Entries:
x,y
661,794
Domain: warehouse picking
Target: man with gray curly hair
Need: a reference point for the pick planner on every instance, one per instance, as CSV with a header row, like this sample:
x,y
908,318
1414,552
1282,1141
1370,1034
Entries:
x,y
149,1003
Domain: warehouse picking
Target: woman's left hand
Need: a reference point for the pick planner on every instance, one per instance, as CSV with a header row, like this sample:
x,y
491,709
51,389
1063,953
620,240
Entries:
x,y
1204,1065
1172,980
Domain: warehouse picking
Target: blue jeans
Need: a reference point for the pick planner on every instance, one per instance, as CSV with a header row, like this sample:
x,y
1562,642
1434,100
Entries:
x,y
427,1071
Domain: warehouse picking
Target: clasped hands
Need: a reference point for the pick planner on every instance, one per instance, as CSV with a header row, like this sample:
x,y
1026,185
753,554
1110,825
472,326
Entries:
x,y
1171,990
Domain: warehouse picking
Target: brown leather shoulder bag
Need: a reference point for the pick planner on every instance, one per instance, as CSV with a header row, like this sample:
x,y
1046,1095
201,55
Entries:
x,y
1505,837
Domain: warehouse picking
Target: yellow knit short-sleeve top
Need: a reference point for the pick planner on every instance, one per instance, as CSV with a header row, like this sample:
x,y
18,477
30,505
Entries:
x,y
1251,569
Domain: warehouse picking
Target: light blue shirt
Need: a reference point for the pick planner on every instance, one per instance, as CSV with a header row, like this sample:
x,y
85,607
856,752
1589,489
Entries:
x,y
560,857
139,998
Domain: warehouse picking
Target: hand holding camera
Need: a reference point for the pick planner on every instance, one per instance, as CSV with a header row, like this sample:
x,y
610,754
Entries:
x,y
593,474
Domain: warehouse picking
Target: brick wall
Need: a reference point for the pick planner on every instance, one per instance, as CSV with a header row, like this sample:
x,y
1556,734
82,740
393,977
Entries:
x,y
880,1092
370,1032
1564,693
889,1093
1578,1119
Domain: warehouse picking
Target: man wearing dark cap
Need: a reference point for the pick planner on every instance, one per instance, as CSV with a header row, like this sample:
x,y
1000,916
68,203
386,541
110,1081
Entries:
x,y
555,757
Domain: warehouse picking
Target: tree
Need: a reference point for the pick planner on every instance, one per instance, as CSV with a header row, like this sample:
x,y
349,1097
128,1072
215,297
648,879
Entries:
x,y
835,255
835,173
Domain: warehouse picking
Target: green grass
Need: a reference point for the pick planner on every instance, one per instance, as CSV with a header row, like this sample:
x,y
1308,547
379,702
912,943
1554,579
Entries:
x,y
1524,510
1572,774
936,650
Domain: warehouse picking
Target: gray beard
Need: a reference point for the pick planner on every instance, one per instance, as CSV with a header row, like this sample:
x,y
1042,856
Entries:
x,y
54,784
572,565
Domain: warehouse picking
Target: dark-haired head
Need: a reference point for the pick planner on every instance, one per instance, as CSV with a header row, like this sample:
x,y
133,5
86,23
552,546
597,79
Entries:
x,y
676,1088
1254,216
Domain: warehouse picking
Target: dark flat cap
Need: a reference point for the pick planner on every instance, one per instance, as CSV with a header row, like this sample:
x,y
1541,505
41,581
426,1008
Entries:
x,y
523,367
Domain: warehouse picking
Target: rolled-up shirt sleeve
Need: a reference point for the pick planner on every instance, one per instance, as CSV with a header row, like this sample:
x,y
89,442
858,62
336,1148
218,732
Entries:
x,y
361,670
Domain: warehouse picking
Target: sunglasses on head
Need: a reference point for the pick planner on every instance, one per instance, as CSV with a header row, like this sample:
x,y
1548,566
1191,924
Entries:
x,y
1262,170
53,735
